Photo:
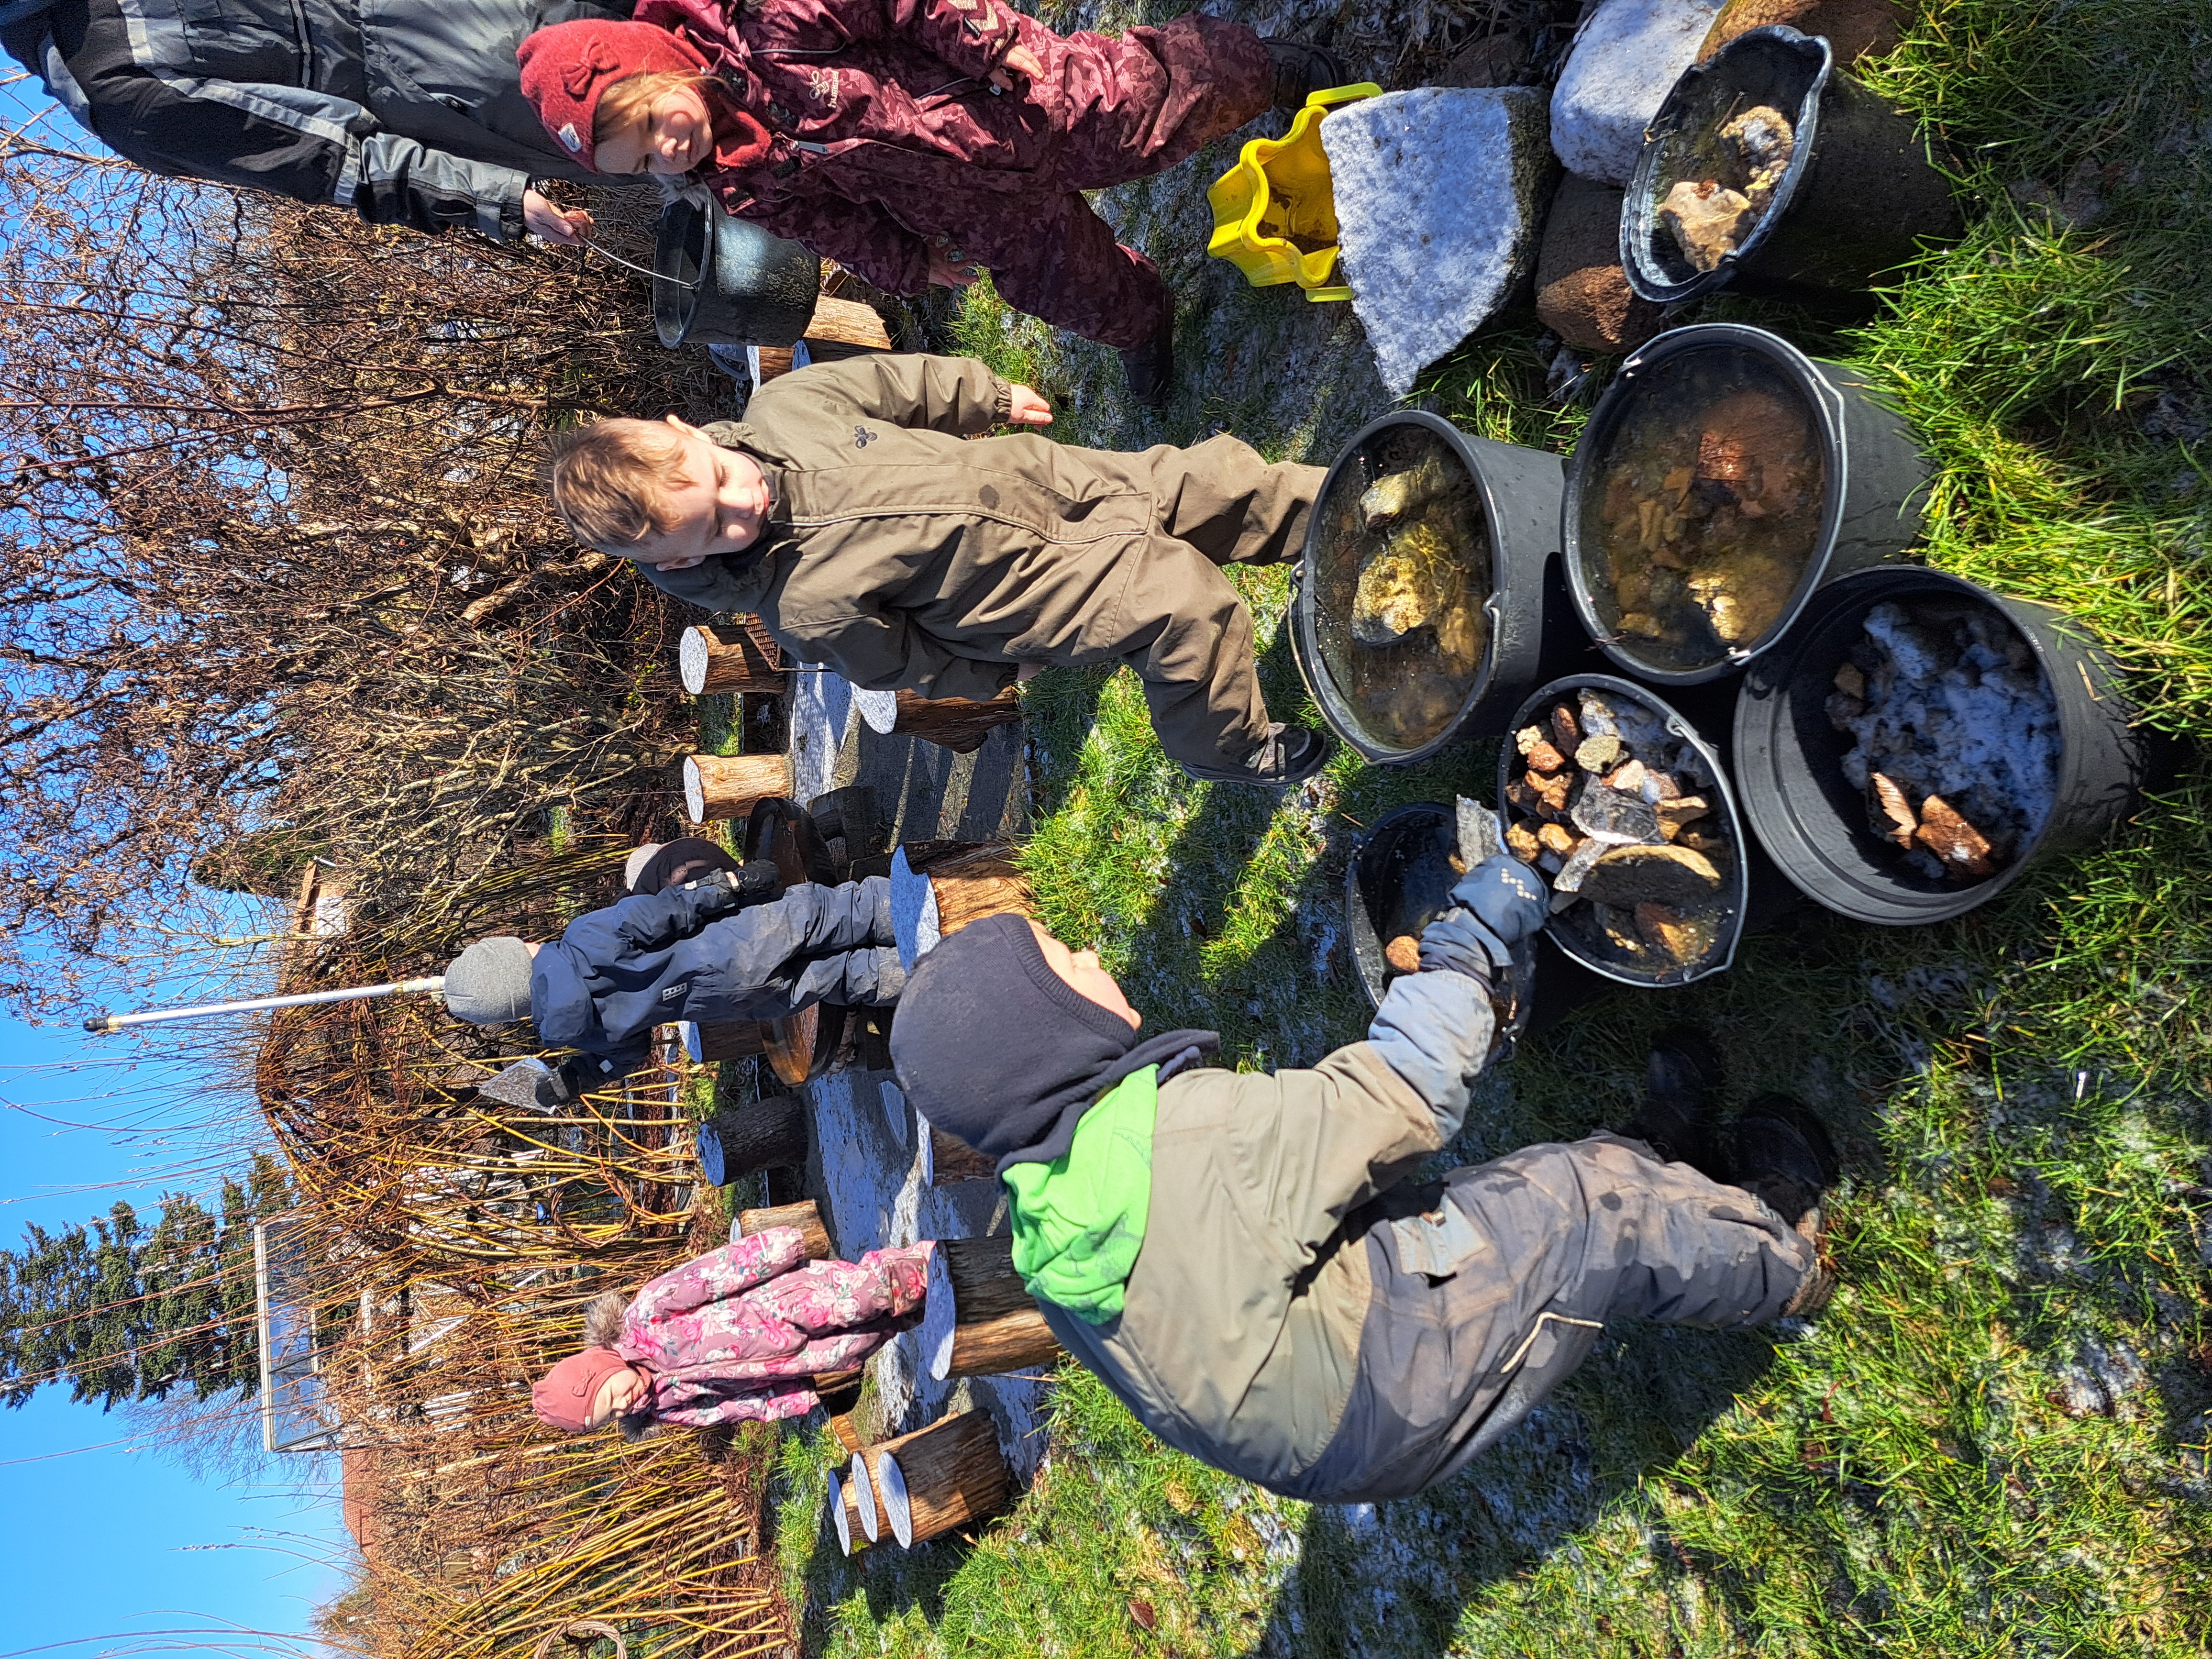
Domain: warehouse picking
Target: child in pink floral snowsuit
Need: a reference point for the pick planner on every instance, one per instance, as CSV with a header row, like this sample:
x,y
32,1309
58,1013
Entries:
x,y
737,1335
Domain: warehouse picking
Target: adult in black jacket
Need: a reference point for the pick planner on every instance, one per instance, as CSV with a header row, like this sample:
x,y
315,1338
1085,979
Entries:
x,y
409,112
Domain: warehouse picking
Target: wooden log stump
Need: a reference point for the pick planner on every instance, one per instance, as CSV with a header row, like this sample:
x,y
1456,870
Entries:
x,y
730,786
768,1134
946,1160
980,1320
845,1514
839,1395
739,656
802,1215
862,1486
848,322
939,887
709,1042
949,1475
960,723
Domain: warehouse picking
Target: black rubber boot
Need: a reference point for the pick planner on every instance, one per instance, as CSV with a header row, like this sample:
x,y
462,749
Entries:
x,y
1150,367
1681,1094
1290,755
1302,70
1783,1155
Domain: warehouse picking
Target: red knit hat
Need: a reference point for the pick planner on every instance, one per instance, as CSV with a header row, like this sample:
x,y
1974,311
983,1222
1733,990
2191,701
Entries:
x,y
566,68
563,1397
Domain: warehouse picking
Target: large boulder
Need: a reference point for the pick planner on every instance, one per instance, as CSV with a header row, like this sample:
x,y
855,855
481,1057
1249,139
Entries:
x,y
1582,294
1439,199
1626,59
1854,28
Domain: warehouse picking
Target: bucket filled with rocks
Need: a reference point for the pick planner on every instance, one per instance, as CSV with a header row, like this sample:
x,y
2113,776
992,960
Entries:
x,y
1917,740
1420,604
1768,170
1627,813
1722,478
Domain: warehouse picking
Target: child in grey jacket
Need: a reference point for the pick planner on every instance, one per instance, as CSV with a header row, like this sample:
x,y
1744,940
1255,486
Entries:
x,y
1241,1257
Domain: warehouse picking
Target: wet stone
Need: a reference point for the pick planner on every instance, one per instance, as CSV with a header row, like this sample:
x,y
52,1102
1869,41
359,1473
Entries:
x,y
1403,953
1567,735
1521,840
1595,754
1675,876
1612,815
1964,849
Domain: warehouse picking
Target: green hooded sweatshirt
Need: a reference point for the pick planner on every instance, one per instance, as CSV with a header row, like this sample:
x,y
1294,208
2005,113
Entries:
x,y
1079,1220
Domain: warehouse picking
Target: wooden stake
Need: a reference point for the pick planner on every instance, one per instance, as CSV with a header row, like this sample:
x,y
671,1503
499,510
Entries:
x,y
960,723
723,1039
946,1160
849,322
768,1135
839,1395
802,1215
740,657
730,786
947,1476
863,1490
970,879
980,1320
845,1514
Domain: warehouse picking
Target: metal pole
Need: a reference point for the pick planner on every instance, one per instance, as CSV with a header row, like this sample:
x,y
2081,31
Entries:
x,y
104,1023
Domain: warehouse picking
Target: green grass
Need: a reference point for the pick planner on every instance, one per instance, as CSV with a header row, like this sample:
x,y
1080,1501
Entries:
x,y
1998,1440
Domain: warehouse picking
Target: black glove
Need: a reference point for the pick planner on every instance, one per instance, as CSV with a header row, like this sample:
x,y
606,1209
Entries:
x,y
723,894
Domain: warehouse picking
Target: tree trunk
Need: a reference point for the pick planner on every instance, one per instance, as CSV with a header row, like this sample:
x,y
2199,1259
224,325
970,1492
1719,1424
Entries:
x,y
839,1395
947,1476
768,1135
845,1514
861,1486
740,657
849,322
946,1160
718,786
723,1039
944,885
802,1215
979,1319
960,723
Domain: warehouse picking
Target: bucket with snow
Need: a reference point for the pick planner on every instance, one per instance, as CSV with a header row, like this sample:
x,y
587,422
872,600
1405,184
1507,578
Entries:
x,y
1916,741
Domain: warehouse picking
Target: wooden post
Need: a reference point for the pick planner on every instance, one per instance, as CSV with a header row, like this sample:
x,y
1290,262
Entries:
x,y
848,322
741,657
946,1160
845,1514
947,1476
802,1215
839,1395
722,1039
862,1486
980,1320
960,723
768,1134
730,786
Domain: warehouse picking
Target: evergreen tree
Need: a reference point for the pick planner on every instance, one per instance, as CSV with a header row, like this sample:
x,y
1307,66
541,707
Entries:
x,y
126,1311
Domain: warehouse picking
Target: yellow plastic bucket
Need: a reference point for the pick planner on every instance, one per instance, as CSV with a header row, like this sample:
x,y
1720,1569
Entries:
x,y
1278,195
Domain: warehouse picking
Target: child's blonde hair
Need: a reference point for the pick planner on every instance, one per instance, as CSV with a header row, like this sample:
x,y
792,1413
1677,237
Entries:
x,y
627,103
610,481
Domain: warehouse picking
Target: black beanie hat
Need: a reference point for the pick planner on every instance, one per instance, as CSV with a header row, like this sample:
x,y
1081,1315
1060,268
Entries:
x,y
994,1047
685,858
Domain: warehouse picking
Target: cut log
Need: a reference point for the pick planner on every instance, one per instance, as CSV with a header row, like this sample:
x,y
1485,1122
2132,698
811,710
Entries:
x,y
849,322
802,1215
768,1134
949,1475
840,1396
960,723
722,1039
979,1319
939,887
740,657
845,1514
862,1488
730,786
946,1160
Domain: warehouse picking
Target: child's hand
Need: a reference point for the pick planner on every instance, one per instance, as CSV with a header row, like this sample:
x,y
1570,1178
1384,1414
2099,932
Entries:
x,y
1020,60
1027,407
944,274
567,227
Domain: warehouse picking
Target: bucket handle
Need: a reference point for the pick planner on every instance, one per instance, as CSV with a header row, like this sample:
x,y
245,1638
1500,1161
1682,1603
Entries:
x,y
604,252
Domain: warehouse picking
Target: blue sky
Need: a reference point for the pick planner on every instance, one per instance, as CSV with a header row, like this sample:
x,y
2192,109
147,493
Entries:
x,y
108,1541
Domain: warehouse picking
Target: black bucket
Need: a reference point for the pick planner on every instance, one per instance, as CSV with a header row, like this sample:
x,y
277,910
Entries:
x,y
724,281
1401,880
1525,611
1815,824
1756,894
1858,197
1873,478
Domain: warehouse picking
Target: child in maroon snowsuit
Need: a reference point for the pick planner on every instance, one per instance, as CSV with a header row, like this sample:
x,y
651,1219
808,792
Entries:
x,y
913,140
737,1335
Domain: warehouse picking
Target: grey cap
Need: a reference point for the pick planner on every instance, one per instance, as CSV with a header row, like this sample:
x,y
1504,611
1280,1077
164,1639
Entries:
x,y
489,983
